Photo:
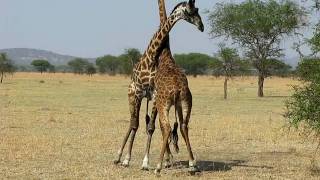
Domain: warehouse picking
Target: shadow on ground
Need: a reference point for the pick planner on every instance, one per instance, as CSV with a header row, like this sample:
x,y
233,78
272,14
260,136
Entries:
x,y
218,166
274,96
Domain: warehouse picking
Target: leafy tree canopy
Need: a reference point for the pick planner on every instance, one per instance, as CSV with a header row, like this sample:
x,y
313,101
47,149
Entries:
x,y
6,66
41,65
257,26
78,65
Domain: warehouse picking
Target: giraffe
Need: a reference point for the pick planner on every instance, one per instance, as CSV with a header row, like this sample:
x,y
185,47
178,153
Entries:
x,y
142,79
165,55
171,86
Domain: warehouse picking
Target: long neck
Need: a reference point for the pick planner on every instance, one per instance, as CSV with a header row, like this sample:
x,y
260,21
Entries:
x,y
159,37
162,11
163,18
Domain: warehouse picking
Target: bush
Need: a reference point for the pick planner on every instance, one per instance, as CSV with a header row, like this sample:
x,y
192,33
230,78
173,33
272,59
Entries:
x,y
303,108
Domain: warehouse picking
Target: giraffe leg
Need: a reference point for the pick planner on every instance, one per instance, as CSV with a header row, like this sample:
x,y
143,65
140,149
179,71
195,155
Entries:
x,y
185,134
117,161
169,157
165,128
127,159
134,106
134,124
150,129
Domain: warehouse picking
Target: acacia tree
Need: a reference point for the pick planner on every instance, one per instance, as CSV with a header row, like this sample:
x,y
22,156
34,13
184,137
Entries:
x,y
228,58
108,64
258,27
78,65
303,108
128,60
315,41
41,65
193,63
6,66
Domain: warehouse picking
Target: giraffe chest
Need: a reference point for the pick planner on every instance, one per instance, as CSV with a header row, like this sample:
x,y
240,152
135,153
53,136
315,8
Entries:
x,y
144,76
144,83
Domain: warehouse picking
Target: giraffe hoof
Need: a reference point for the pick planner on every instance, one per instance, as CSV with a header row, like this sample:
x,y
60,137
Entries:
x,y
125,163
193,170
116,162
167,164
145,168
157,172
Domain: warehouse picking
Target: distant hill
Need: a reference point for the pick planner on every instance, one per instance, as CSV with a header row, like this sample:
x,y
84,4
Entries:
x,y
24,56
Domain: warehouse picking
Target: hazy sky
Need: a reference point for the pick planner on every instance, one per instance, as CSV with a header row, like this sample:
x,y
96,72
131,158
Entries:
x,y
91,28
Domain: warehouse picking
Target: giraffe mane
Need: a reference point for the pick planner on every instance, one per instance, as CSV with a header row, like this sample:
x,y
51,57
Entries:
x,y
175,8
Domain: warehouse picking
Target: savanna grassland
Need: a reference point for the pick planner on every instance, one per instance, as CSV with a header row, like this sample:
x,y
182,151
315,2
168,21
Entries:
x,y
65,126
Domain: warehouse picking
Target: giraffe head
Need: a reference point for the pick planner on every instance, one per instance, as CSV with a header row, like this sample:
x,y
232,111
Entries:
x,y
189,12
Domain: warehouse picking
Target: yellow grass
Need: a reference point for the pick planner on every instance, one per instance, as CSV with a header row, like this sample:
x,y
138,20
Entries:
x,y
70,126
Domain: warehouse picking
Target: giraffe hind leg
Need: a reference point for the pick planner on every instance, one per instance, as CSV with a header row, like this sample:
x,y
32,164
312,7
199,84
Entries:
x,y
165,129
150,127
169,157
118,160
187,105
134,104
134,124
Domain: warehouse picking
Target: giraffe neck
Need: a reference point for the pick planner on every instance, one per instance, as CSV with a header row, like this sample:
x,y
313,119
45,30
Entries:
x,y
162,11
156,44
165,57
163,18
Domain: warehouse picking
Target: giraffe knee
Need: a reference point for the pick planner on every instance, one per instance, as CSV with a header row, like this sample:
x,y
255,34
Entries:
x,y
183,126
134,125
151,127
166,127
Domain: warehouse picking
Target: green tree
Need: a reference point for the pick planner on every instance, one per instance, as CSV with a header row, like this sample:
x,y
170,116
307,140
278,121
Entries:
x,y
90,69
228,58
194,63
257,26
6,66
52,68
128,60
303,108
244,67
78,65
315,40
276,67
108,64
41,65
309,70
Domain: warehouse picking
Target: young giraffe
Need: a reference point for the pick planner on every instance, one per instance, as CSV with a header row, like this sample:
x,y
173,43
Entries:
x,y
165,55
171,86
142,80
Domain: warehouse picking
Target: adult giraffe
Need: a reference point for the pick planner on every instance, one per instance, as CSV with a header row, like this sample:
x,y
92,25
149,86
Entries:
x,y
142,79
171,86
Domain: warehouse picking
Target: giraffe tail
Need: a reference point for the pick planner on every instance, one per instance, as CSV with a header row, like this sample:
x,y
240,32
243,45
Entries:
x,y
174,133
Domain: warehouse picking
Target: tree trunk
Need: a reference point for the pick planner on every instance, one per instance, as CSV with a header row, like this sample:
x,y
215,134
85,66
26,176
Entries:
x,y
226,88
2,74
260,84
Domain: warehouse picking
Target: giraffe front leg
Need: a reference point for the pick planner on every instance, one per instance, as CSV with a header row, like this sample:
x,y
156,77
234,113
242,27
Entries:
x,y
169,158
165,128
132,104
135,104
117,161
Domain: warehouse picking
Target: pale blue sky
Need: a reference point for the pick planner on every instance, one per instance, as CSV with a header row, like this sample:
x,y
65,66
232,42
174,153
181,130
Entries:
x,y
91,28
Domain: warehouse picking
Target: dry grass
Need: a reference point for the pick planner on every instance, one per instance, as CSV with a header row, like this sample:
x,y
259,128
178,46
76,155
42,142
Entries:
x,y
61,126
